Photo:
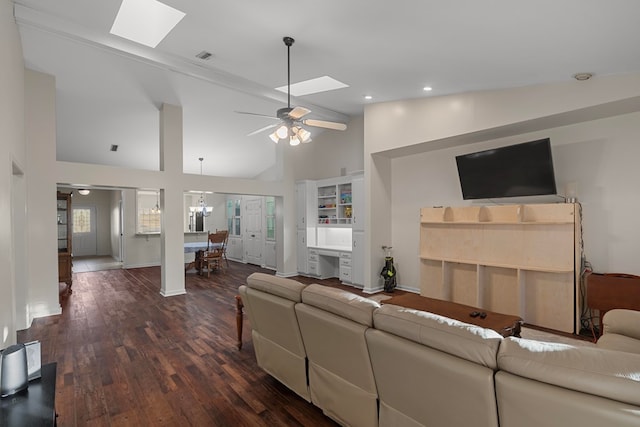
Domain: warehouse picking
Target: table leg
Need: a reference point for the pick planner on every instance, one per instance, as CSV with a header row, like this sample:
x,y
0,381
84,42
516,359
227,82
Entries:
x,y
239,318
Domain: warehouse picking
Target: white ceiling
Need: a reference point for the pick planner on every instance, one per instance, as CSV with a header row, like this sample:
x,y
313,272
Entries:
x,y
109,89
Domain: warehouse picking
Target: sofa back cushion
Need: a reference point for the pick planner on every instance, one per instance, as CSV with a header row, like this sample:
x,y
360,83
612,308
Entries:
x,y
279,286
270,305
469,342
611,374
333,324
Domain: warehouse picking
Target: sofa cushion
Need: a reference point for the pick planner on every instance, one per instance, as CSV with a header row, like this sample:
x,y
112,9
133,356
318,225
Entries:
x,y
619,343
280,286
470,342
607,373
342,303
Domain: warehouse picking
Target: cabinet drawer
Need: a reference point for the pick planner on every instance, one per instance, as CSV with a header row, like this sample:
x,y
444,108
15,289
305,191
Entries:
x,y
345,262
313,257
313,268
345,274
345,255
313,251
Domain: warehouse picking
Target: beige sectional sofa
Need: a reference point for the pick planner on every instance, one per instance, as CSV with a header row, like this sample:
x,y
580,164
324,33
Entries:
x,y
366,364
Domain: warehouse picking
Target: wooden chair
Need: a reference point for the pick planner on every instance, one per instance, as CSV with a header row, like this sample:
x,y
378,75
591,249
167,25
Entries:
x,y
215,253
224,245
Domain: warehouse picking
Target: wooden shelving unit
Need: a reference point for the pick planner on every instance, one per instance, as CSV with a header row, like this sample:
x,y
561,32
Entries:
x,y
514,259
64,239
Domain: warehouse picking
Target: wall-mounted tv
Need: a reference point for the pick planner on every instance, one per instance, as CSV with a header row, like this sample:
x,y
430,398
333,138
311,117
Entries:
x,y
517,170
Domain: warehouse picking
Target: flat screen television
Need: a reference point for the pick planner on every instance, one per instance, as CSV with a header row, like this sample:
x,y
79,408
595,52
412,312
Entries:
x,y
517,170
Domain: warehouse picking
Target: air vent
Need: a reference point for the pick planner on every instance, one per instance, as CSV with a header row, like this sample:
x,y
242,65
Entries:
x,y
204,55
114,147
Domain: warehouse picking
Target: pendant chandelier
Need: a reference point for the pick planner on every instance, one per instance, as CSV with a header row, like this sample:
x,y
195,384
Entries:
x,y
202,203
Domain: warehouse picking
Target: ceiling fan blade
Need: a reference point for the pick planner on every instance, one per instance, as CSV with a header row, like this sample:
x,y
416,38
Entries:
x,y
263,129
298,113
258,114
324,124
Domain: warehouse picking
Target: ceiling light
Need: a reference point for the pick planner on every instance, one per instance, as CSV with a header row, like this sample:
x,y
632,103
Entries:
x,y
202,203
293,141
307,87
84,192
274,137
582,76
367,97
282,132
145,21
427,88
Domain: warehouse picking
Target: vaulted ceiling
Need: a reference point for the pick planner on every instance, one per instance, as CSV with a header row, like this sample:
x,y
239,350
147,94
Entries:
x,y
109,89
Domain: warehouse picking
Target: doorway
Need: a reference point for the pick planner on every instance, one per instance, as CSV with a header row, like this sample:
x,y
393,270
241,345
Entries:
x,y
253,231
84,231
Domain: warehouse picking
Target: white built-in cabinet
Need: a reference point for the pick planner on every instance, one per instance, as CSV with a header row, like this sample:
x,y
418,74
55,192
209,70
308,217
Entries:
x,y
521,260
330,228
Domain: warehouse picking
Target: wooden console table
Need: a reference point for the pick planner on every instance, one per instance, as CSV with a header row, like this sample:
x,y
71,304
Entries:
x,y
239,318
504,324
608,291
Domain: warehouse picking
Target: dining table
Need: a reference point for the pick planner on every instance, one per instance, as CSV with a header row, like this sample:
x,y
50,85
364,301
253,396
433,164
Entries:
x,y
199,248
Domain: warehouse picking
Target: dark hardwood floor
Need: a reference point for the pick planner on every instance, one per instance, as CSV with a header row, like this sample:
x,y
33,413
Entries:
x,y
128,356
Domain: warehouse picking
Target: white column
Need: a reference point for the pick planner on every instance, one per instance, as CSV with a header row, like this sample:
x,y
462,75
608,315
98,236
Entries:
x,y
171,202
42,234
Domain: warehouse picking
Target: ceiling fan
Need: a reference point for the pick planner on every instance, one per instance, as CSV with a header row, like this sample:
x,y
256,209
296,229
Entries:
x,y
291,119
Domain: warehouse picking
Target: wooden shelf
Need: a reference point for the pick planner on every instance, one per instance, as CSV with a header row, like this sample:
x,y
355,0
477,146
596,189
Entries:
x,y
517,259
501,265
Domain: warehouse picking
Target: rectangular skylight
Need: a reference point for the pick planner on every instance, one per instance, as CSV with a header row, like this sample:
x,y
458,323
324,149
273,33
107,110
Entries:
x,y
307,87
145,21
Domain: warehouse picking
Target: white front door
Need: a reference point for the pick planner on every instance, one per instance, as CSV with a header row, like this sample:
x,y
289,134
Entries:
x,y
84,234
253,242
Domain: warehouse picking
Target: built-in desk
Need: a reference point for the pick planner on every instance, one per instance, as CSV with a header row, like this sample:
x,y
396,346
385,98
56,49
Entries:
x,y
330,261
34,406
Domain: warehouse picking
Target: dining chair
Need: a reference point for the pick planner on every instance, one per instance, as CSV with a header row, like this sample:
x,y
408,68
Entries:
x,y
215,252
224,245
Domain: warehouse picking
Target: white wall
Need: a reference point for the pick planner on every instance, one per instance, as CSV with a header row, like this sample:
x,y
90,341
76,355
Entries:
x,y
11,152
599,156
330,152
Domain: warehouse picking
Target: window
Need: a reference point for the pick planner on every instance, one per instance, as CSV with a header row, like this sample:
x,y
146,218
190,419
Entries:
x,y
148,218
81,220
233,217
270,203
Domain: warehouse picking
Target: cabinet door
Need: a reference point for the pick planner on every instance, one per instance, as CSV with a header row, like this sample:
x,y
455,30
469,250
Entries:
x,y
301,205
357,191
301,252
357,258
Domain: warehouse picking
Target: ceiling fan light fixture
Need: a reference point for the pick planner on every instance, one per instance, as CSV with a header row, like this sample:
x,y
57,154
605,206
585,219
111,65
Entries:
x,y
282,132
274,137
304,135
293,141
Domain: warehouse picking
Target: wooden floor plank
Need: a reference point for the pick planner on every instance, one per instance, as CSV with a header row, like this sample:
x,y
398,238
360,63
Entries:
x,y
127,356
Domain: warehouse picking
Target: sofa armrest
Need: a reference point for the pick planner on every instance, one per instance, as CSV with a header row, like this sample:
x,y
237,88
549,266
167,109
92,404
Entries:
x,y
622,322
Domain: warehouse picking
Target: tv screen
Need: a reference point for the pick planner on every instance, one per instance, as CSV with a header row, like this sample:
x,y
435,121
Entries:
x,y
517,170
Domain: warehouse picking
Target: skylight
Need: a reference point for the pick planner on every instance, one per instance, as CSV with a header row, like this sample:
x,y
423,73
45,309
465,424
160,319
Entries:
x,y
145,21
307,87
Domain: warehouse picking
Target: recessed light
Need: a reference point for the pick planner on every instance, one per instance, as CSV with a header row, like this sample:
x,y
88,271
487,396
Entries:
x,y
368,97
582,76
427,88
